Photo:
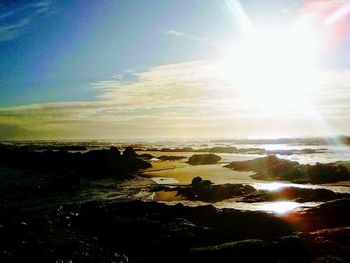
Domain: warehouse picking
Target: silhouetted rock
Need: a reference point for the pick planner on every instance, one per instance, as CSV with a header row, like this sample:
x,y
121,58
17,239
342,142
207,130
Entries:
x,y
218,150
106,231
198,159
129,152
329,259
273,168
185,149
114,150
204,190
94,163
330,214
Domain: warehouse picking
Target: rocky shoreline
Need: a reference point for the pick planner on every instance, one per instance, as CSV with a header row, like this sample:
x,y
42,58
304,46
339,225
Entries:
x,y
46,217
272,168
137,231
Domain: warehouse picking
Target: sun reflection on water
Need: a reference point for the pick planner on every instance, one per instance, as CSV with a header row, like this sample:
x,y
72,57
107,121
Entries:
x,y
281,208
275,207
275,186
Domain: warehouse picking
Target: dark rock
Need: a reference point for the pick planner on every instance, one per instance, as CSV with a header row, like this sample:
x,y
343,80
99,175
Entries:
x,y
114,150
327,215
93,164
108,231
199,159
185,149
273,168
204,190
129,153
328,259
218,150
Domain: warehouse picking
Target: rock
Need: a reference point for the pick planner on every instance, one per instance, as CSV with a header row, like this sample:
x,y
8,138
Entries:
x,y
204,190
93,164
107,231
327,215
114,150
129,153
273,168
328,259
185,149
235,250
198,159
218,150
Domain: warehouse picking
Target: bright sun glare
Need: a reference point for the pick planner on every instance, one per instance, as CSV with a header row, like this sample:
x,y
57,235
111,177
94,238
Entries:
x,y
275,68
281,208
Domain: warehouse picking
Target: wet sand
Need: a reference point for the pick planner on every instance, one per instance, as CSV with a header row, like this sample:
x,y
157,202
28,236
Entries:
x,y
213,172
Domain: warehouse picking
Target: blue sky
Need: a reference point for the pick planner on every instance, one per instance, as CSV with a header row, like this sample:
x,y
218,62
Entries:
x,y
75,56
58,52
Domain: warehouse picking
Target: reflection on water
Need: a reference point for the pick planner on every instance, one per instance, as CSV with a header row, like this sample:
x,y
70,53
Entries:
x,y
220,175
276,207
280,208
213,172
179,172
166,196
275,186
343,187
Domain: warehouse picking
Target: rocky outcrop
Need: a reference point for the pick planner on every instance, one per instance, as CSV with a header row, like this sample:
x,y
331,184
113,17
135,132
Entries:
x,y
198,159
274,168
93,164
204,190
129,232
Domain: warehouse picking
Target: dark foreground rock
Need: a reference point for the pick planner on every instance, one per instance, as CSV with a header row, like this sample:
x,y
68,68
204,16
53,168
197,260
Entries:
x,y
25,173
204,190
198,159
273,168
324,246
93,164
328,215
138,231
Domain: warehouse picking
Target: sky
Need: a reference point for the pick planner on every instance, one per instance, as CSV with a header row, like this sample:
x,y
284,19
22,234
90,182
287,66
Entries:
x,y
117,69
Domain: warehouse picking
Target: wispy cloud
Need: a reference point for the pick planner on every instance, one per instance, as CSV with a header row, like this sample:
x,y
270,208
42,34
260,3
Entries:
x,y
174,33
192,98
16,18
11,31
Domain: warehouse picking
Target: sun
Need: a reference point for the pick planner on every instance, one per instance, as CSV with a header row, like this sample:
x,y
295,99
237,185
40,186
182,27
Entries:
x,y
274,69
